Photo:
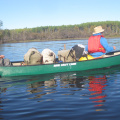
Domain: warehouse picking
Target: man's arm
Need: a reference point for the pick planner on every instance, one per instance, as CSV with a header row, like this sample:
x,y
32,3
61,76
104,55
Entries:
x,y
104,43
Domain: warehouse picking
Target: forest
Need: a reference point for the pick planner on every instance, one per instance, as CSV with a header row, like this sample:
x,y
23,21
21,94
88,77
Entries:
x,y
66,32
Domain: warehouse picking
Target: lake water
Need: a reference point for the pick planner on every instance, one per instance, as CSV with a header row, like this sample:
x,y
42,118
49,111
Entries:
x,y
90,95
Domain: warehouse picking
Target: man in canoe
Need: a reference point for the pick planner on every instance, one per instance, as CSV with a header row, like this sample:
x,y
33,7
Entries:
x,y
2,56
4,62
97,44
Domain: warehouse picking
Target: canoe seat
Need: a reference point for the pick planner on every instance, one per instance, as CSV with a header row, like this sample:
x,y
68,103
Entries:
x,y
16,64
117,53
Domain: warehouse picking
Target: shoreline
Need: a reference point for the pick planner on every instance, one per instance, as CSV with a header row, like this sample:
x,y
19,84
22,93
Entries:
x,y
44,40
52,40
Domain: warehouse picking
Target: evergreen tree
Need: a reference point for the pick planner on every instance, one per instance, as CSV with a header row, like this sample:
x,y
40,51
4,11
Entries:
x,y
78,31
1,32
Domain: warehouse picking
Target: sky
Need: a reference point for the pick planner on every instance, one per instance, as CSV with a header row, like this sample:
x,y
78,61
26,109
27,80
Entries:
x,y
19,14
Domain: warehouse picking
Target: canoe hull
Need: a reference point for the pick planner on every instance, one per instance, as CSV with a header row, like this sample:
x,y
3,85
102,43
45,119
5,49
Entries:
x,y
63,67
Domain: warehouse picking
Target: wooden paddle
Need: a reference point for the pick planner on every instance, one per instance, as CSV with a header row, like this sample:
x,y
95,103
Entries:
x,y
64,46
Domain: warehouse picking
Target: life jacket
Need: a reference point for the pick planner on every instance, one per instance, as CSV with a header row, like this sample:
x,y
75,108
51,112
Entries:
x,y
94,44
87,57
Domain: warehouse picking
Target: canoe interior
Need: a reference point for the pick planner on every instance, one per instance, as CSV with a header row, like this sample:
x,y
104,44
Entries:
x,y
20,63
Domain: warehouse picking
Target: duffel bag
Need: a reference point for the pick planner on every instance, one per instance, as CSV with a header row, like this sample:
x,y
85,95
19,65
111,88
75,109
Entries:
x,y
66,55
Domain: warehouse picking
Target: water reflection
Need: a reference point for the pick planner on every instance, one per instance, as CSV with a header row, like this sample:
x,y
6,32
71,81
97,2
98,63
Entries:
x,y
76,91
37,87
51,85
97,86
71,82
2,90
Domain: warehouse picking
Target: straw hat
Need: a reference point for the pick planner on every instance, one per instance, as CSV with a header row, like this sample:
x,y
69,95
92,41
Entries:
x,y
98,29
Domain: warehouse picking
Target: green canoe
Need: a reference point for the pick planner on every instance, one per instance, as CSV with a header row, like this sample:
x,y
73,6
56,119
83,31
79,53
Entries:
x,y
109,60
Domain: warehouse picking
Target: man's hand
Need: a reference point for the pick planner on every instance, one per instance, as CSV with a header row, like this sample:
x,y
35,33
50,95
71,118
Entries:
x,y
114,47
